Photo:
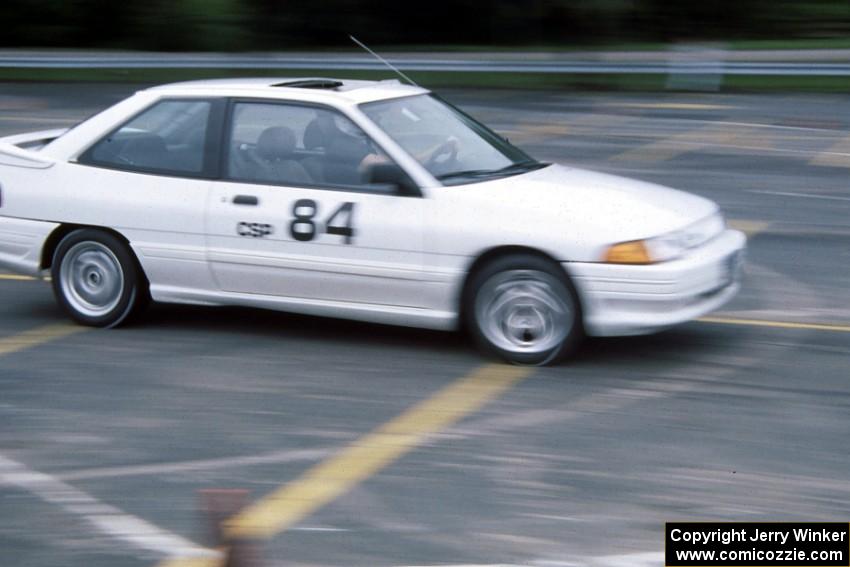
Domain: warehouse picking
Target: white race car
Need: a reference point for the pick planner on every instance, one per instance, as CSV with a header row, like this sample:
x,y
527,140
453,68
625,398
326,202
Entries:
x,y
367,200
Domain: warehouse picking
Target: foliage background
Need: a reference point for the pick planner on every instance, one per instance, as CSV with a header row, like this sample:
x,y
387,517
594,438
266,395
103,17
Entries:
x,y
232,25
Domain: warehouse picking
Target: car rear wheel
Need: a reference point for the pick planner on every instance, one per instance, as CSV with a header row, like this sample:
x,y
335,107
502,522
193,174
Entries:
x,y
96,278
525,310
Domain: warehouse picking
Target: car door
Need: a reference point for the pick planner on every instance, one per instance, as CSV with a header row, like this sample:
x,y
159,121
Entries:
x,y
294,217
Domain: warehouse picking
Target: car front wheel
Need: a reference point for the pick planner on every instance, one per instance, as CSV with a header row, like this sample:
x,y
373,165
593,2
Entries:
x,y
525,310
96,278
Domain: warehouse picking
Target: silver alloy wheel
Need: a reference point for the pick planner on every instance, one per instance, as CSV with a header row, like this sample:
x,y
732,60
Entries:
x,y
91,278
522,312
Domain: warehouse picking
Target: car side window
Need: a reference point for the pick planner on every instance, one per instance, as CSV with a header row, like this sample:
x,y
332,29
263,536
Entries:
x,y
301,145
168,137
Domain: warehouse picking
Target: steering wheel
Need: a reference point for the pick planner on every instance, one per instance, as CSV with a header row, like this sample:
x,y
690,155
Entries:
x,y
444,155
124,159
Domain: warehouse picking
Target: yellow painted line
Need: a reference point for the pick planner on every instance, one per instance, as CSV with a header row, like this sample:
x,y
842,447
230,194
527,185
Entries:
x,y
200,561
20,278
525,133
683,142
599,120
758,140
36,337
584,124
776,324
39,120
748,227
365,457
548,130
599,123
836,156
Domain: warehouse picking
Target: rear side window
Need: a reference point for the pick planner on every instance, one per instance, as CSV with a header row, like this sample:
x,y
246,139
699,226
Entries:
x,y
169,137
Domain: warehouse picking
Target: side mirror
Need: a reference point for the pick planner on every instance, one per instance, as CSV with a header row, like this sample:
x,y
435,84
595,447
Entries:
x,y
392,175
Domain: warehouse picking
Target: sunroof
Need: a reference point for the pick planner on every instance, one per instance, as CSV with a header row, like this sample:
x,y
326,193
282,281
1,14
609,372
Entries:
x,y
311,84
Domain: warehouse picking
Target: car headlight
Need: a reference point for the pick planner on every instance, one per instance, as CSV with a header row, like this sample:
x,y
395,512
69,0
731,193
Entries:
x,y
667,246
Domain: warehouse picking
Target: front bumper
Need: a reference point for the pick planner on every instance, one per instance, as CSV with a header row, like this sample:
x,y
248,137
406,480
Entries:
x,y
620,299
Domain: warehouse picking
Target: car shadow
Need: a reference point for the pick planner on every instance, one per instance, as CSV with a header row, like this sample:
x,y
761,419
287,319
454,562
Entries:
x,y
278,324
681,342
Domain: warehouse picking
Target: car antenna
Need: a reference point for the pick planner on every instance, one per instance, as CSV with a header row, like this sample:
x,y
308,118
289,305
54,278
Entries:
x,y
382,60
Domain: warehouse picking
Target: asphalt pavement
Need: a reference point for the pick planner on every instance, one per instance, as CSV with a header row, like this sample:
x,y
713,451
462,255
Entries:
x,y
107,437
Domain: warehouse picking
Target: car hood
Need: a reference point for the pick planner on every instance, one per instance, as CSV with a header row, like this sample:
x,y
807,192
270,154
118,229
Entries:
x,y
624,208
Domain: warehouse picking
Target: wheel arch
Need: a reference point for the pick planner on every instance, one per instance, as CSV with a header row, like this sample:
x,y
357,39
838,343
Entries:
x,y
63,230
495,253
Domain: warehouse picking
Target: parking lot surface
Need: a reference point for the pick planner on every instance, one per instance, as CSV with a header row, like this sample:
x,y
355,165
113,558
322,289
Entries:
x,y
367,445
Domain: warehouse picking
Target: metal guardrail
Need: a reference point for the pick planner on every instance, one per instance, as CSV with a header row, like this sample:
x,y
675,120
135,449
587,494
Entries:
x,y
673,65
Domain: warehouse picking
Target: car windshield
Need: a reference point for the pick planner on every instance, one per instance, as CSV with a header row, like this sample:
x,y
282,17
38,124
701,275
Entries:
x,y
451,145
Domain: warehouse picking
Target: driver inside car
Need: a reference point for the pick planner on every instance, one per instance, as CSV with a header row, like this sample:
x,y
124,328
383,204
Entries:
x,y
431,157
351,154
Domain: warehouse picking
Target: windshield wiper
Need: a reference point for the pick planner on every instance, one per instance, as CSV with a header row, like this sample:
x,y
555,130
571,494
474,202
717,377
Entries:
x,y
467,173
522,166
519,167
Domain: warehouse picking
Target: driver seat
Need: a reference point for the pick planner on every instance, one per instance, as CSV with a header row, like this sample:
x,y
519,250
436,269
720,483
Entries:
x,y
276,150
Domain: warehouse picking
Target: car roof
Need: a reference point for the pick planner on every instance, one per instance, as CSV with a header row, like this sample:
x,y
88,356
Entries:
x,y
356,91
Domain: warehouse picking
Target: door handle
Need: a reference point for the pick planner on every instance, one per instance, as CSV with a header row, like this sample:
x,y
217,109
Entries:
x,y
246,200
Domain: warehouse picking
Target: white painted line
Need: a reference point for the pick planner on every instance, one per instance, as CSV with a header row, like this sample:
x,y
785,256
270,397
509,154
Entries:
x,y
469,565
662,137
104,518
769,126
651,559
645,559
773,150
274,457
838,155
670,105
750,124
802,195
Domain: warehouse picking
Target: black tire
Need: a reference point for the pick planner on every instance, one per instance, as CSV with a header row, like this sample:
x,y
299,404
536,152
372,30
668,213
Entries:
x,y
523,309
96,279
